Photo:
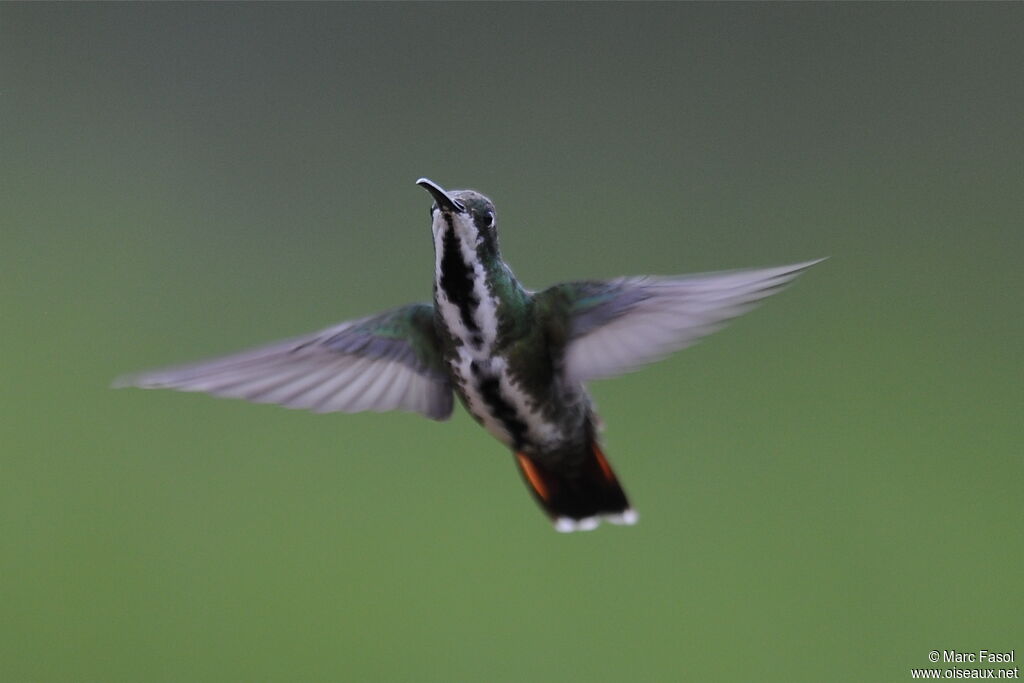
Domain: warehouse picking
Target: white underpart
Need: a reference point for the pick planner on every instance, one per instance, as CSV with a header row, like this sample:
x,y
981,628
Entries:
x,y
627,517
538,429
490,365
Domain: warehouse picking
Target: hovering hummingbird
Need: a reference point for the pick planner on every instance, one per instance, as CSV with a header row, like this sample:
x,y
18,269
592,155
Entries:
x,y
518,360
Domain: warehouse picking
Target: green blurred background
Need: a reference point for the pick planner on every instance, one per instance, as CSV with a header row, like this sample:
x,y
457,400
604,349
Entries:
x,y
828,489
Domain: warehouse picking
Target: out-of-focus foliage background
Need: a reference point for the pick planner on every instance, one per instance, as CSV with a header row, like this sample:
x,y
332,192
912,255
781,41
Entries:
x,y
829,489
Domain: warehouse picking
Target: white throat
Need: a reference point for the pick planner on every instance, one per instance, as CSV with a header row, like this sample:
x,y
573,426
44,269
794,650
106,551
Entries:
x,y
480,331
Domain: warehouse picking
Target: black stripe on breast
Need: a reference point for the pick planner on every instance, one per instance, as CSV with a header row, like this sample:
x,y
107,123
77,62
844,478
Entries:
x,y
502,410
457,279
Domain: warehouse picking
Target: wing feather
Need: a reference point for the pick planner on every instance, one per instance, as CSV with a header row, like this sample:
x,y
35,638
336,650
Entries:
x,y
385,362
617,326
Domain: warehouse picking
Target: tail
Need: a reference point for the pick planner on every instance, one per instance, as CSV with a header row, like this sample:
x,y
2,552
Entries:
x,y
578,497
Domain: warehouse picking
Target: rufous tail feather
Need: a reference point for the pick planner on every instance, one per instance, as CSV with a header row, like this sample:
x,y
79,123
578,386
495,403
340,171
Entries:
x,y
579,494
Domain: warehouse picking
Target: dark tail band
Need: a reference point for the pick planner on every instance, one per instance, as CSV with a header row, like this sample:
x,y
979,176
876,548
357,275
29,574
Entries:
x,y
579,496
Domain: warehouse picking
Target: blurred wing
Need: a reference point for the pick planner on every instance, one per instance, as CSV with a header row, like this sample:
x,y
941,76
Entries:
x,y
390,361
617,326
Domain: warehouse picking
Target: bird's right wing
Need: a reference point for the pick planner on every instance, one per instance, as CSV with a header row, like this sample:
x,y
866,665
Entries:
x,y
390,361
616,326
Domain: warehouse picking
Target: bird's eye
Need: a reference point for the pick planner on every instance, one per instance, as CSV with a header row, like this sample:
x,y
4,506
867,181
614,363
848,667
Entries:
x,y
485,220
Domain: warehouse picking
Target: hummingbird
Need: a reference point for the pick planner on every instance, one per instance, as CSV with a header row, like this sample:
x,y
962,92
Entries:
x,y
518,360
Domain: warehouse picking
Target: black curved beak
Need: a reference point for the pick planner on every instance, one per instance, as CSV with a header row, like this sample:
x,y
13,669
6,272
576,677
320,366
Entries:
x,y
445,202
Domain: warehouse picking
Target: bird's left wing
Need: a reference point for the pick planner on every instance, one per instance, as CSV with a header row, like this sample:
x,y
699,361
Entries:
x,y
611,327
390,361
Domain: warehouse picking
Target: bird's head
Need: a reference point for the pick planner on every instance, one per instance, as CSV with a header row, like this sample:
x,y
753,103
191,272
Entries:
x,y
469,216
